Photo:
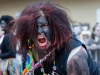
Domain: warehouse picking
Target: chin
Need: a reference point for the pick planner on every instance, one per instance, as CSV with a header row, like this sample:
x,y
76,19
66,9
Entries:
x,y
44,48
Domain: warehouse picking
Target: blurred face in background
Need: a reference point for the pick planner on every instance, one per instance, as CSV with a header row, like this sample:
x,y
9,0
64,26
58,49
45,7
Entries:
x,y
97,31
3,25
85,37
77,30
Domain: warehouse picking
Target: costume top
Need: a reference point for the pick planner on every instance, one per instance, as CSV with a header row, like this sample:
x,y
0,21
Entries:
x,y
6,48
61,61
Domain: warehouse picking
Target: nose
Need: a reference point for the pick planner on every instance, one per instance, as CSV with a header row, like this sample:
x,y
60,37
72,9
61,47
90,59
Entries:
x,y
2,24
40,31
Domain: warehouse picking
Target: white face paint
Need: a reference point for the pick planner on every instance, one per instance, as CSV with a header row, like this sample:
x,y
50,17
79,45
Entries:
x,y
3,24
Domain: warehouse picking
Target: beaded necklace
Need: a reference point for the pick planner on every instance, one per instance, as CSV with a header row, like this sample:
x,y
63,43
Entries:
x,y
30,66
54,69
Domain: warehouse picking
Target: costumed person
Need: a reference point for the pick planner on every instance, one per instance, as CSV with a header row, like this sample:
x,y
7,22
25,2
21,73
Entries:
x,y
44,32
8,63
4,21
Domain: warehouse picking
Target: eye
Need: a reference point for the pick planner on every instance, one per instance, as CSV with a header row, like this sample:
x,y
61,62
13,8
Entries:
x,y
45,26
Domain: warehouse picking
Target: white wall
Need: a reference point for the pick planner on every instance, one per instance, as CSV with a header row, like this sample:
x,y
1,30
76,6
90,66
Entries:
x,y
83,11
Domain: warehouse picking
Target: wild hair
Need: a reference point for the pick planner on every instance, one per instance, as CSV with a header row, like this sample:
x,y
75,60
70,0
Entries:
x,y
26,28
9,22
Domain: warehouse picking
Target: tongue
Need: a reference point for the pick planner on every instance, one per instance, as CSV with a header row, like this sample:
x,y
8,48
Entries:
x,y
42,40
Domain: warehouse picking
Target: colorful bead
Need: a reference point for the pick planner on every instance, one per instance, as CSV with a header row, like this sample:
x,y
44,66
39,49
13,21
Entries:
x,y
29,58
25,70
32,45
38,63
54,62
54,68
42,69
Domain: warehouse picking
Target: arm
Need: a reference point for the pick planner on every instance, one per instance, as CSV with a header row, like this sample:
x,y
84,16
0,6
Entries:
x,y
78,65
88,44
6,48
98,47
92,45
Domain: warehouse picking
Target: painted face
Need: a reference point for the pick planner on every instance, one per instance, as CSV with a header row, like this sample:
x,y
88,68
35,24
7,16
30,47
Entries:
x,y
44,33
3,24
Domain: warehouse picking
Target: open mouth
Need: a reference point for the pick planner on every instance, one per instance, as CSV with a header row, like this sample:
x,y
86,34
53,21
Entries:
x,y
42,42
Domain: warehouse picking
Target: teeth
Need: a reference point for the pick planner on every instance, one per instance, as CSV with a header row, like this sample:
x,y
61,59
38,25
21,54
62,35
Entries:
x,y
40,37
43,43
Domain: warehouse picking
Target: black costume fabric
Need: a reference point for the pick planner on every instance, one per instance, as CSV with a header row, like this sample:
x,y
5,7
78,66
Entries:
x,y
6,48
61,61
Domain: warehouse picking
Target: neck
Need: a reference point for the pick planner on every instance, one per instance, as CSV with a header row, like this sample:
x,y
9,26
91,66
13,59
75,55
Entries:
x,y
38,54
96,38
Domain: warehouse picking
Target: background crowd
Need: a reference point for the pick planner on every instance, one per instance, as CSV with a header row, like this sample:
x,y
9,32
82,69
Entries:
x,y
91,38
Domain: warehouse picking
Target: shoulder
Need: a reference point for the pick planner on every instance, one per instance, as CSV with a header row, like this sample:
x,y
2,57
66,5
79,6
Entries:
x,y
8,36
77,64
76,52
7,39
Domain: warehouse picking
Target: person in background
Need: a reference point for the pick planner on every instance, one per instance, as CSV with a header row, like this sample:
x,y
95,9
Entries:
x,y
6,26
5,19
45,33
84,36
8,64
78,30
94,43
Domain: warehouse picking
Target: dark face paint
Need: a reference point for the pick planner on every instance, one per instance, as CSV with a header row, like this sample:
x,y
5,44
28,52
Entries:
x,y
44,33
